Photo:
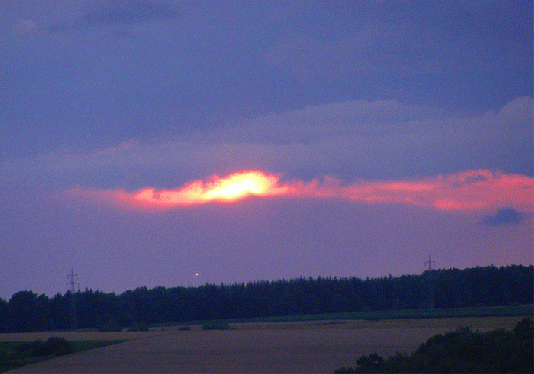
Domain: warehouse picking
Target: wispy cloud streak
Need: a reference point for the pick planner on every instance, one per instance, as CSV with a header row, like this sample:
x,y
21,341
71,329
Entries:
x,y
469,190
119,12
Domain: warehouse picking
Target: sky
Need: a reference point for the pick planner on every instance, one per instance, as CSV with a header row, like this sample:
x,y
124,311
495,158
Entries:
x,y
177,143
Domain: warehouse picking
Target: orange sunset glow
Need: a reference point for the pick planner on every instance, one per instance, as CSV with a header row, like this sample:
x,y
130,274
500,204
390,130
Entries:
x,y
470,190
234,187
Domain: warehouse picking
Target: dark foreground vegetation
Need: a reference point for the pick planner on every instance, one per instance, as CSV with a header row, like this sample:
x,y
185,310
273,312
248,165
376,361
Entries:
x,y
17,354
480,287
463,351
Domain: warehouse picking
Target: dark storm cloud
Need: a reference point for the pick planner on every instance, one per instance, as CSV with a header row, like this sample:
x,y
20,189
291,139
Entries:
x,y
120,12
505,216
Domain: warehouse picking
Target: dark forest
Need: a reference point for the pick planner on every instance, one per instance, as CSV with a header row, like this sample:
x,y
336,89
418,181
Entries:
x,y
488,286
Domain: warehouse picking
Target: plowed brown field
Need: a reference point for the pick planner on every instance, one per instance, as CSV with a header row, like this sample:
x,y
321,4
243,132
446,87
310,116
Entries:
x,y
313,347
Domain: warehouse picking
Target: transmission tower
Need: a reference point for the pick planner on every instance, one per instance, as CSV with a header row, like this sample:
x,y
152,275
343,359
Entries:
x,y
430,262
72,282
430,282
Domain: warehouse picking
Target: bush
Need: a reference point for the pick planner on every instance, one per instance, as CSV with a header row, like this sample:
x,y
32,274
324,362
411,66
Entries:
x,y
57,346
370,363
524,330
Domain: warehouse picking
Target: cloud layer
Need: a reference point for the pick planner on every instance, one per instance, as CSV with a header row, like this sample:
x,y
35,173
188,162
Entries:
x,y
380,140
470,190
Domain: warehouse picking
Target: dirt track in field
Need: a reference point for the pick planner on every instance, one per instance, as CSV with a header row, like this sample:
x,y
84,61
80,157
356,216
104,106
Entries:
x,y
314,347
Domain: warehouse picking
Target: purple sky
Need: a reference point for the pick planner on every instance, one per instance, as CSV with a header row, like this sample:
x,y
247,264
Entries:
x,y
395,129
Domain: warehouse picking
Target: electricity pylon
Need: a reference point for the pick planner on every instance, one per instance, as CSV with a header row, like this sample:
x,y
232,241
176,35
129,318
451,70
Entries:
x,y
430,280
72,281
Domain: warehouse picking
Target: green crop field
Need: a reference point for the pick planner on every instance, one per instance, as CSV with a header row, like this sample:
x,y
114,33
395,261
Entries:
x,y
495,311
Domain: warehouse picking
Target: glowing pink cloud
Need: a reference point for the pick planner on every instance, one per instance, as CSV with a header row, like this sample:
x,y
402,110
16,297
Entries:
x,y
234,187
469,190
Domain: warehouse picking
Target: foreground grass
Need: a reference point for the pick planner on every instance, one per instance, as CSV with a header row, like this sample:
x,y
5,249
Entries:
x,y
16,354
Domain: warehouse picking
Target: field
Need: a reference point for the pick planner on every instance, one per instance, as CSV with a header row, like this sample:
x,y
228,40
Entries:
x,y
265,347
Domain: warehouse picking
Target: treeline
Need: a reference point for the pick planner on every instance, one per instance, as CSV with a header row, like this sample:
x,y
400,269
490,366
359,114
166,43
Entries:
x,y
451,288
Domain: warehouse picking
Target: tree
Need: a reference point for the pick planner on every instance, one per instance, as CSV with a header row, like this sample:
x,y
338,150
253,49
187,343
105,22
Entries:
x,y
28,312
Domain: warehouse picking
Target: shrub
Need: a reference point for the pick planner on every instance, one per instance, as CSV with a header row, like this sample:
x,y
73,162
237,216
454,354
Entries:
x,y
524,330
370,363
58,346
